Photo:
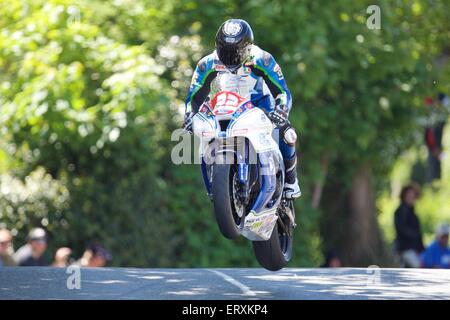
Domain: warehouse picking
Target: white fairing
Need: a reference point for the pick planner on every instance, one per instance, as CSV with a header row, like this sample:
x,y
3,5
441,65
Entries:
x,y
259,227
255,126
204,127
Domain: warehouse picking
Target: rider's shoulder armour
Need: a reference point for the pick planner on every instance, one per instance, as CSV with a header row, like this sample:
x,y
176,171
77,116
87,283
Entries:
x,y
205,64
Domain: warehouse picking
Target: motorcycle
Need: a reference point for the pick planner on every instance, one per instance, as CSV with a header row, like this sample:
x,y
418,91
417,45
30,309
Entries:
x,y
243,171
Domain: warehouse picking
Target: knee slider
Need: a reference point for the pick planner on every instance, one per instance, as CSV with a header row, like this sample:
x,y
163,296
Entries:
x,y
289,135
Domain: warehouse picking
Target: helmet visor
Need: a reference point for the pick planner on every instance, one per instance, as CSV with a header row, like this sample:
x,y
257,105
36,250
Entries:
x,y
232,55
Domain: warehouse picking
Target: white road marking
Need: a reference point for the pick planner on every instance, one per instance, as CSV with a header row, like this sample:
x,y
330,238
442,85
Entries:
x,y
245,290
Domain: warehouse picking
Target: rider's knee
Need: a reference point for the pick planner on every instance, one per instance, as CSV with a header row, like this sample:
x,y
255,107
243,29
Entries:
x,y
289,135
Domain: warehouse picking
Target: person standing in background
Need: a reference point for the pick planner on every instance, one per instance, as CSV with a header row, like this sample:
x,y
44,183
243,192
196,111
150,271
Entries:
x,y
437,255
332,260
95,256
6,249
62,257
409,243
32,254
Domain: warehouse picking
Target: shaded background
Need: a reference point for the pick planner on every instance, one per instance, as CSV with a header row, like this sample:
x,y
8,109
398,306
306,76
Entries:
x,y
90,92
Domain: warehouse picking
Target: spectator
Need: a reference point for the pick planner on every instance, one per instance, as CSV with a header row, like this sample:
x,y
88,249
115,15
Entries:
x,y
6,249
95,257
62,257
332,260
437,255
31,254
409,243
438,110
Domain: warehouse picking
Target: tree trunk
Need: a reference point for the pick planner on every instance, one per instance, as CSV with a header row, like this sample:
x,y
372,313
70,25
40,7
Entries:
x,y
318,186
363,244
349,219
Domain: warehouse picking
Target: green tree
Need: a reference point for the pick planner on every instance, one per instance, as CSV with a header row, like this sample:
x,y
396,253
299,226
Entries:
x,y
357,96
89,109
91,90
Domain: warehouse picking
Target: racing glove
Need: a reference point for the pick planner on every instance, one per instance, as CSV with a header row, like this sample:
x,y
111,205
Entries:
x,y
279,116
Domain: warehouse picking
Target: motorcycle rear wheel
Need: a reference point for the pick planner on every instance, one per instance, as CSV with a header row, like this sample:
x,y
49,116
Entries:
x,y
275,253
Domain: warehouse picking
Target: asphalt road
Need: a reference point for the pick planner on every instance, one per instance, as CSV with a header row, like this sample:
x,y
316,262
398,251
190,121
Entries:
x,y
225,284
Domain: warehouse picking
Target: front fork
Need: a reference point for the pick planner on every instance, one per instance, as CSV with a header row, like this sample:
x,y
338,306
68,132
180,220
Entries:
x,y
207,178
242,157
243,174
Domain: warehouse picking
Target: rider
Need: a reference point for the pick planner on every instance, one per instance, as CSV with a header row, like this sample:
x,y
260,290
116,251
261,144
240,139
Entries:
x,y
240,66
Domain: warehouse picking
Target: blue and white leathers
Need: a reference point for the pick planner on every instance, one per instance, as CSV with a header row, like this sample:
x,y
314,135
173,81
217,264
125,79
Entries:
x,y
259,79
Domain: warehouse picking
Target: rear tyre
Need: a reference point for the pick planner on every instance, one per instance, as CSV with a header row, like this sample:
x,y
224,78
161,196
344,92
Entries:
x,y
275,253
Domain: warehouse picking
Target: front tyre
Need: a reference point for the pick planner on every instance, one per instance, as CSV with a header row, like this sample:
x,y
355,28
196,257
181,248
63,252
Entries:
x,y
228,213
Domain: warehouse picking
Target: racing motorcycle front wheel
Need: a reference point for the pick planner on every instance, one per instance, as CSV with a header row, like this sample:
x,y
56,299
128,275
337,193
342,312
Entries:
x,y
227,209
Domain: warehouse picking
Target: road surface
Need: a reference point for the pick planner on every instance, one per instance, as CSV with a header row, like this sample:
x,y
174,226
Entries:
x,y
224,284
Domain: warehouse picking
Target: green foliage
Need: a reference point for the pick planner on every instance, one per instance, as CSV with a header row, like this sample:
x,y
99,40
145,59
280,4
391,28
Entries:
x,y
357,92
89,92
89,109
38,200
432,208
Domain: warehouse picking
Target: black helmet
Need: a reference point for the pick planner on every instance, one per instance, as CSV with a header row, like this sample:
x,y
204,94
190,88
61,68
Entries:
x,y
233,42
